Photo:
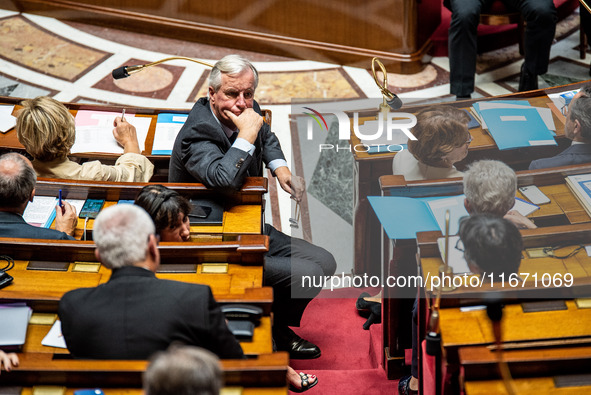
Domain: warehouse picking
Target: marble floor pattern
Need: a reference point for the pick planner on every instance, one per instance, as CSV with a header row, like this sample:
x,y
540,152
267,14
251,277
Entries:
x,y
73,62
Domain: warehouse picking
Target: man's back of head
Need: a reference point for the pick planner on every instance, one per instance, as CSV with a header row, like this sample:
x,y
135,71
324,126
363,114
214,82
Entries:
x,y
122,234
17,181
491,244
183,370
580,110
490,187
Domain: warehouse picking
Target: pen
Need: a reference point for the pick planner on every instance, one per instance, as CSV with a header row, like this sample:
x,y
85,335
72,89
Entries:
x,y
60,199
123,115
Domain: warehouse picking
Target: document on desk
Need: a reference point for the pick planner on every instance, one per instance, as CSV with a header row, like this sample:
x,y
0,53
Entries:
x,y
397,141
545,113
168,126
7,121
94,131
41,211
517,127
54,337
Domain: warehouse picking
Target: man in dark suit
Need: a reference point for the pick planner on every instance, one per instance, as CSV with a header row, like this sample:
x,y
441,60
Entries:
x,y
135,314
578,129
223,141
17,189
540,17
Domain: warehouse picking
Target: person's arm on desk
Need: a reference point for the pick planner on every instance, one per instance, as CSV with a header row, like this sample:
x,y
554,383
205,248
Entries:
x,y
519,220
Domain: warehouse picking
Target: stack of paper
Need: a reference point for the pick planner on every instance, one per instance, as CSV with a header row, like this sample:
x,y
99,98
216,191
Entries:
x,y
14,320
515,123
41,211
580,185
7,121
168,126
94,131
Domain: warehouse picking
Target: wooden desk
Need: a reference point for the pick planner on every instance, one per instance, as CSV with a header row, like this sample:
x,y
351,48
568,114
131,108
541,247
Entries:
x,y
541,342
265,371
369,167
261,343
242,283
243,209
540,385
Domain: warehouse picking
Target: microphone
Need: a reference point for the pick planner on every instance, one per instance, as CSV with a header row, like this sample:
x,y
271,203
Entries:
x,y
126,71
395,103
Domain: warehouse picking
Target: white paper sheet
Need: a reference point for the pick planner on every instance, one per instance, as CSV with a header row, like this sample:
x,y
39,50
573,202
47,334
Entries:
x,y
94,131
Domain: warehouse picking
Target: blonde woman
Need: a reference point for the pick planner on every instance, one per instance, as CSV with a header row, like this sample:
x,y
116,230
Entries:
x,y
46,128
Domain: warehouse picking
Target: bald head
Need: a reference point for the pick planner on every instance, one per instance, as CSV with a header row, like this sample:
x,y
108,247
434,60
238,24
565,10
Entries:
x,y
17,181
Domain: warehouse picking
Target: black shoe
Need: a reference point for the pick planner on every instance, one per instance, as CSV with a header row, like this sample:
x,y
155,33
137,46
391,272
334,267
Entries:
x,y
298,348
404,387
371,310
527,81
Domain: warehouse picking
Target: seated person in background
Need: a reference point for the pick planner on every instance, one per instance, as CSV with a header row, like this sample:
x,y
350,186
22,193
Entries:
x,y
47,130
491,245
116,320
169,211
442,140
577,129
183,370
540,18
490,187
17,189
223,141
8,361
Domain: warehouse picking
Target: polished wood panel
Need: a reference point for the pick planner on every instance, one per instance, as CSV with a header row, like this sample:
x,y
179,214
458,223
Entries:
x,y
264,370
342,31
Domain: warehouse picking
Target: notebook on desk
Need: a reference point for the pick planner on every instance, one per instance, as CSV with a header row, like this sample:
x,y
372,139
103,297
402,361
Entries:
x,y
14,320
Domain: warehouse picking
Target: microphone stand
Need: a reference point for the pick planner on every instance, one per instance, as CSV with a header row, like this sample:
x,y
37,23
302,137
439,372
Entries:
x,y
126,71
390,100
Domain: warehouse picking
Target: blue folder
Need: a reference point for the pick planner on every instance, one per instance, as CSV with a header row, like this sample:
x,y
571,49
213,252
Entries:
x,y
517,127
403,217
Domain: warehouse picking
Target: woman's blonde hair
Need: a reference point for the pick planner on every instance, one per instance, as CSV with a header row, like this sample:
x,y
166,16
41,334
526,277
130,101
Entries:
x,y
46,128
438,131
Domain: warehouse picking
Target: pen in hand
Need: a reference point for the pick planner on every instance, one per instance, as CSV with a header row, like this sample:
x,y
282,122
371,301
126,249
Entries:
x,y
60,199
123,115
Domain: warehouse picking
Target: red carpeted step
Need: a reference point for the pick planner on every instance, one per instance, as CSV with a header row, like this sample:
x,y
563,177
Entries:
x,y
352,382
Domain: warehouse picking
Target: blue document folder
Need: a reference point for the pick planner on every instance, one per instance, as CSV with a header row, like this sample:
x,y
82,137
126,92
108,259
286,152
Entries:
x,y
517,127
403,217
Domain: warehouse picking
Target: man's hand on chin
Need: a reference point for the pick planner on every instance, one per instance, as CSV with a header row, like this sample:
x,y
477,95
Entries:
x,y
248,123
294,185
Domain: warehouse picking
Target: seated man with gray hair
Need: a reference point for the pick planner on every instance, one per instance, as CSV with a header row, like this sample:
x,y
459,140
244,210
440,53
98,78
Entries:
x,y
135,314
490,187
183,370
17,189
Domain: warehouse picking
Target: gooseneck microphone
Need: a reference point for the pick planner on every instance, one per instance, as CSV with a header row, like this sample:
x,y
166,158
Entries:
x,y
126,71
390,99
